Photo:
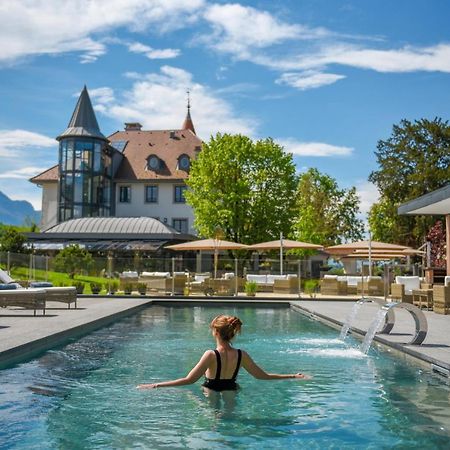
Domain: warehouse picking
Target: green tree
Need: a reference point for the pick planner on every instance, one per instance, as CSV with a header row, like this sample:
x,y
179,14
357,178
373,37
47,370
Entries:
x,y
11,240
72,260
245,188
413,161
325,214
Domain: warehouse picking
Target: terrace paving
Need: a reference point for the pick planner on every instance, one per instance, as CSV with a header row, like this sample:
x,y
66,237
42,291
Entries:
x,y
23,336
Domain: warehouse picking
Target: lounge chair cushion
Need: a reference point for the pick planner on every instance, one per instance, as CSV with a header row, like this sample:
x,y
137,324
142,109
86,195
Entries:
x,y
331,277
447,280
228,275
8,287
129,274
40,284
410,283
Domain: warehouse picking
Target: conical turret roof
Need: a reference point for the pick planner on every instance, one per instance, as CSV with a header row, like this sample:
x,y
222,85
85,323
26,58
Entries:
x,y
83,121
188,124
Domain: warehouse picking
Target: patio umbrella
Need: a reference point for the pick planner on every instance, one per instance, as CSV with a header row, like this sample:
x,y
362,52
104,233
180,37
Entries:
x,y
281,244
369,247
208,244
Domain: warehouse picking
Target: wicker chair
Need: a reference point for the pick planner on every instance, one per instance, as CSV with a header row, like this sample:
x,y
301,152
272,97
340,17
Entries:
x,y
332,286
441,299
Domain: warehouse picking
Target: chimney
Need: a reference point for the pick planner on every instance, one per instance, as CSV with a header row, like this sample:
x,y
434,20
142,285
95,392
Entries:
x,y
133,126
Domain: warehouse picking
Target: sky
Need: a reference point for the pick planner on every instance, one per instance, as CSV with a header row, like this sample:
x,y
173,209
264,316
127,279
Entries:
x,y
327,79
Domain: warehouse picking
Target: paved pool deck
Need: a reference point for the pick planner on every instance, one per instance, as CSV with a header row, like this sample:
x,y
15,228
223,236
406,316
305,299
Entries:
x,y
23,336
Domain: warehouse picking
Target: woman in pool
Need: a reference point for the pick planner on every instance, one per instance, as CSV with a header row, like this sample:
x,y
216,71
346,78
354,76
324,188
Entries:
x,y
222,365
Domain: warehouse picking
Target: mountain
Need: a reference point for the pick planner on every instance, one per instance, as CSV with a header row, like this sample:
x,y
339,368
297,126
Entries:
x,y
16,212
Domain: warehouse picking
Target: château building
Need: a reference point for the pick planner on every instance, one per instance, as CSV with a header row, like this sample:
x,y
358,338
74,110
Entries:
x,y
131,173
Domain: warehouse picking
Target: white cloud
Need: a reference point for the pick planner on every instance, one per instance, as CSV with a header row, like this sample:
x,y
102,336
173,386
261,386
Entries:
x,y
12,142
308,79
151,53
36,27
22,173
406,59
158,101
239,29
316,149
368,194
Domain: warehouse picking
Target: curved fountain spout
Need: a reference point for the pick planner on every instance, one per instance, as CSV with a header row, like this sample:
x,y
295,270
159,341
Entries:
x,y
390,315
420,321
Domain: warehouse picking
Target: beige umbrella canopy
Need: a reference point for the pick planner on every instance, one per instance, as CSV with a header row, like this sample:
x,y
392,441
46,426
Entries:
x,y
208,244
345,249
286,243
281,244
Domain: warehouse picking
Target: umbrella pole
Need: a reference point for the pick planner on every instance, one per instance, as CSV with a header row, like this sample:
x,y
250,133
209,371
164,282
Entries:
x,y
281,253
299,278
370,254
236,281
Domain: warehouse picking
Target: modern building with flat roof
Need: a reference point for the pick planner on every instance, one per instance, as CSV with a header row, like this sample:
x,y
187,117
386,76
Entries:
x,y
436,203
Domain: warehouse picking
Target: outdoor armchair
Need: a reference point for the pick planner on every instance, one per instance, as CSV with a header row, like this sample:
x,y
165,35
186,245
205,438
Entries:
x,y
441,299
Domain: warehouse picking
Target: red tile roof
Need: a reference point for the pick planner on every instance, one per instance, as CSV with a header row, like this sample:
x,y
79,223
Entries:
x,y
51,174
167,145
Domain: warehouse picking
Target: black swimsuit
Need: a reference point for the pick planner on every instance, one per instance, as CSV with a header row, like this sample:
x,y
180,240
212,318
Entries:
x,y
229,384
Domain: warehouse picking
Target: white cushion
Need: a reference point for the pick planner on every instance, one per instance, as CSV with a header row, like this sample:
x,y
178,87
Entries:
x,y
201,278
353,280
260,279
228,275
333,277
410,283
5,278
291,275
129,274
342,278
272,278
447,280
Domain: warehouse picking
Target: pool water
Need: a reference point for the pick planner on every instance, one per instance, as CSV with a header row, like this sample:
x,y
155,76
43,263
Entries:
x,y
83,395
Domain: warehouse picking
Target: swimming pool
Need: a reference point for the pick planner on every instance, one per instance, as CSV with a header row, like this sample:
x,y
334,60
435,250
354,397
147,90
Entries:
x,y
83,395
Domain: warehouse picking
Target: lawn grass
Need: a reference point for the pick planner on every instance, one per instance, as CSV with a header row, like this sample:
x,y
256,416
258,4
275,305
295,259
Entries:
x,y
60,279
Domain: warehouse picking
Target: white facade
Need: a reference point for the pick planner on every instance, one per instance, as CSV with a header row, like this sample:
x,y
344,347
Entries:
x,y
166,210
49,215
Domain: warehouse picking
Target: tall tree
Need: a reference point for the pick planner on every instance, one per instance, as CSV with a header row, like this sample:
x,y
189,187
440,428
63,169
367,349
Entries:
x,y
325,213
244,188
413,161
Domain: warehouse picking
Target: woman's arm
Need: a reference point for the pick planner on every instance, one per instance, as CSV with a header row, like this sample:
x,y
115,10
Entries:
x,y
199,369
253,369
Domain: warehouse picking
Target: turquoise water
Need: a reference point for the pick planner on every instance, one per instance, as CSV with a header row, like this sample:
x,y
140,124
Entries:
x,y
83,395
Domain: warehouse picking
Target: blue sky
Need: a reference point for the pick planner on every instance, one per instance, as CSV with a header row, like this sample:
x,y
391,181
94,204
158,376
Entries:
x,y
325,78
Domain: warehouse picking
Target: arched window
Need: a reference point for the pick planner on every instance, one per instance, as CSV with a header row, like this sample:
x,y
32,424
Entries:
x,y
153,162
184,163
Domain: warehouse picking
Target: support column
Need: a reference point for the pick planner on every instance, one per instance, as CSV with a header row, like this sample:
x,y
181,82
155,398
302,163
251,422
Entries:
x,y
447,227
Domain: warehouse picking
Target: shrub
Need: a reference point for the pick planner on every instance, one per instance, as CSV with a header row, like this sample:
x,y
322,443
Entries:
x,y
113,286
311,287
79,285
251,287
95,287
128,288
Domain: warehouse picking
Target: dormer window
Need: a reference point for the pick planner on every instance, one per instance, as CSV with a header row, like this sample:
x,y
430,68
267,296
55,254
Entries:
x,y
184,163
153,162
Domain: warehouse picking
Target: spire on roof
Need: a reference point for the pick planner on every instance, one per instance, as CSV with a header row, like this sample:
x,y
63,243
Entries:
x,y
83,121
188,124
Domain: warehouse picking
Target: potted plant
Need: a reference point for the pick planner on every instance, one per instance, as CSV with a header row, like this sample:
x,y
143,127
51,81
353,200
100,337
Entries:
x,y
127,288
113,287
311,287
79,285
250,288
142,288
95,287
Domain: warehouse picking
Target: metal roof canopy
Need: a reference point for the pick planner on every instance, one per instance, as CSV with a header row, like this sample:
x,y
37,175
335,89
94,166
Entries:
x,y
436,203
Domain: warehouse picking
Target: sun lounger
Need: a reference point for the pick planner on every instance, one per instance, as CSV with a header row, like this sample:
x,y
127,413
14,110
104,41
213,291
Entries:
x,y
24,298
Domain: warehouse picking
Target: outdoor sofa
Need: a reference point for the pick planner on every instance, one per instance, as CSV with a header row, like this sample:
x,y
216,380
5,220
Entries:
x,y
402,289
275,283
164,282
